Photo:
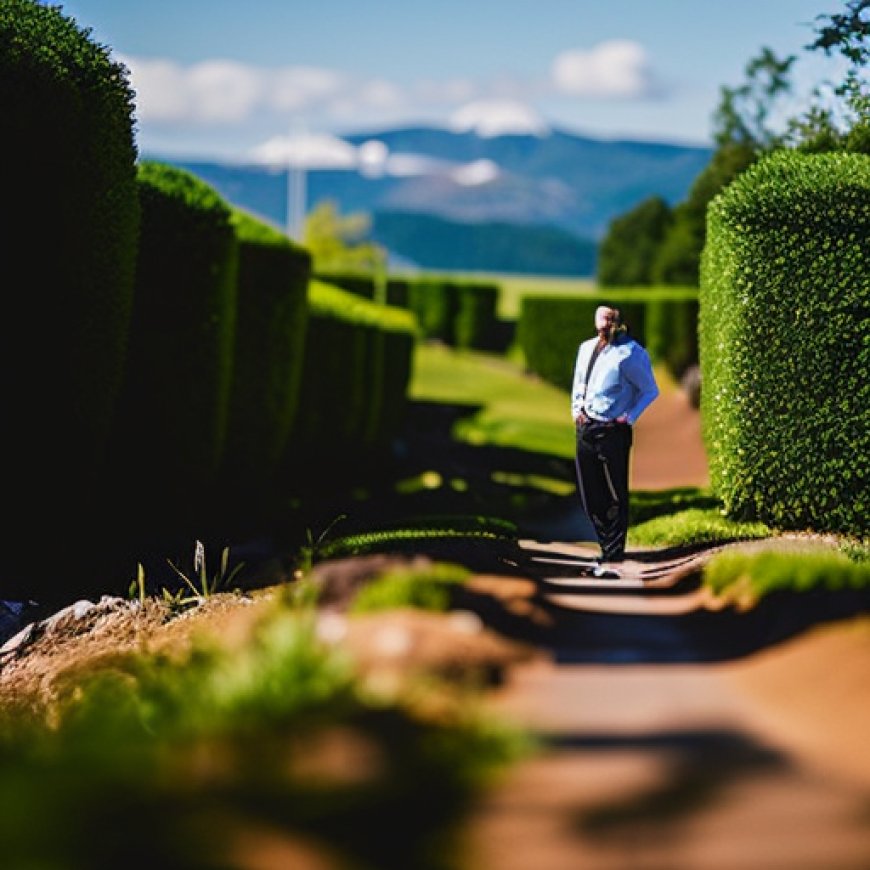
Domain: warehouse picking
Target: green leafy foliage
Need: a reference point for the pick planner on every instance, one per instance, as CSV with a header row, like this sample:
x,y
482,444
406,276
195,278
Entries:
x,y
743,111
67,151
338,242
268,354
169,441
647,504
357,367
167,761
422,588
663,319
694,526
747,576
785,343
628,251
677,259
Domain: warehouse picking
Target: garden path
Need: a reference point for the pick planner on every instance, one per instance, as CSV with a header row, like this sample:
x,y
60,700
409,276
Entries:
x,y
670,741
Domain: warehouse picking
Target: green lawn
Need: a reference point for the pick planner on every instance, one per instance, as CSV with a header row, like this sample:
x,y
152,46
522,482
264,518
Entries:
x,y
517,410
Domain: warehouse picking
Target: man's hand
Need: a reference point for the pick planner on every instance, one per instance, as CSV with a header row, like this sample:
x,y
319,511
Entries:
x,y
622,419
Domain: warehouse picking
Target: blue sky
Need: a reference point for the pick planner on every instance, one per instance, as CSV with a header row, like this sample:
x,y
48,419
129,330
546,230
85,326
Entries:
x,y
222,79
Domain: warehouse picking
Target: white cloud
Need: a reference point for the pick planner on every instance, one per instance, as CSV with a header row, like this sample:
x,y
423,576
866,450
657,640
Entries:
x,y
615,68
449,91
307,151
381,94
406,165
372,156
159,87
227,92
227,100
292,88
476,173
498,118
223,91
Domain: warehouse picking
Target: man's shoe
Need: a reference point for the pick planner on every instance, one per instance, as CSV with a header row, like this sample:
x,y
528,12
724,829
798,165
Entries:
x,y
603,573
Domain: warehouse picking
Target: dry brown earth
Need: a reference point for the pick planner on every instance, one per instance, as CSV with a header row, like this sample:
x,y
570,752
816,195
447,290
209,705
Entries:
x,y
665,761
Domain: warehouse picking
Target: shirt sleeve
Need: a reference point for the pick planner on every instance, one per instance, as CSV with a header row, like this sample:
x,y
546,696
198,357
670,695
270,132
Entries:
x,y
638,371
579,386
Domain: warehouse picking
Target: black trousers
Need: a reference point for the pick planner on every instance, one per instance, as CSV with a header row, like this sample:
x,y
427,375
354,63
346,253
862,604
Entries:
x,y
602,478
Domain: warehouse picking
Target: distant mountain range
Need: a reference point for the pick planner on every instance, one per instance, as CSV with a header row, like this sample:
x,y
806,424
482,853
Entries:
x,y
426,189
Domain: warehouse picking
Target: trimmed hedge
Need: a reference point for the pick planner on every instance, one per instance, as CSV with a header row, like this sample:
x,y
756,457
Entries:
x,y
671,329
476,316
663,319
67,166
461,314
366,286
785,342
551,328
435,303
271,319
358,358
398,292
362,285
176,395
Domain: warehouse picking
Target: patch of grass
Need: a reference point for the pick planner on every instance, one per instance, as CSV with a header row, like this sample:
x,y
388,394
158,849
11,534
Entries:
x,y
694,526
648,504
423,588
175,757
746,577
420,529
516,410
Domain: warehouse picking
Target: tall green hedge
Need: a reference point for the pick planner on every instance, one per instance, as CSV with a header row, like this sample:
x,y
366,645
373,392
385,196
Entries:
x,y
358,357
551,328
476,316
176,395
271,318
785,342
68,180
462,314
434,302
671,329
359,284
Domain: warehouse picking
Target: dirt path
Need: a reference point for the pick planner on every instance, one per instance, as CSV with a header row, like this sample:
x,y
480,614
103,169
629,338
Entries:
x,y
668,447
677,734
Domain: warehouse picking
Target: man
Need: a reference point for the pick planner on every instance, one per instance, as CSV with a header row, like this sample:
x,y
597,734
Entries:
x,y
613,385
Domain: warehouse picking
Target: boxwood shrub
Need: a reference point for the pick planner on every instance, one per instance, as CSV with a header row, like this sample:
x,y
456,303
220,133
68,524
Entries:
x,y
176,395
358,358
551,328
435,302
476,316
785,342
68,176
271,318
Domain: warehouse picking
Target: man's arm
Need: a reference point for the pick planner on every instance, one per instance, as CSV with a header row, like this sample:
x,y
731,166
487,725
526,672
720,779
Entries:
x,y
638,370
578,388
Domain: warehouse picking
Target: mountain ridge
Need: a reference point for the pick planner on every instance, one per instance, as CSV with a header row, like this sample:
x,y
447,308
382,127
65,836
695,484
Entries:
x,y
558,180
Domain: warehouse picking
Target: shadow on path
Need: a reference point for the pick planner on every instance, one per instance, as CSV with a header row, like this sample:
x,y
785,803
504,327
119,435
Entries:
x,y
564,622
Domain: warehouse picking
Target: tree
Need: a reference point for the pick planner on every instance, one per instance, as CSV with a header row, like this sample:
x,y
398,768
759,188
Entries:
x,y
338,242
742,115
742,133
626,255
678,258
839,117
